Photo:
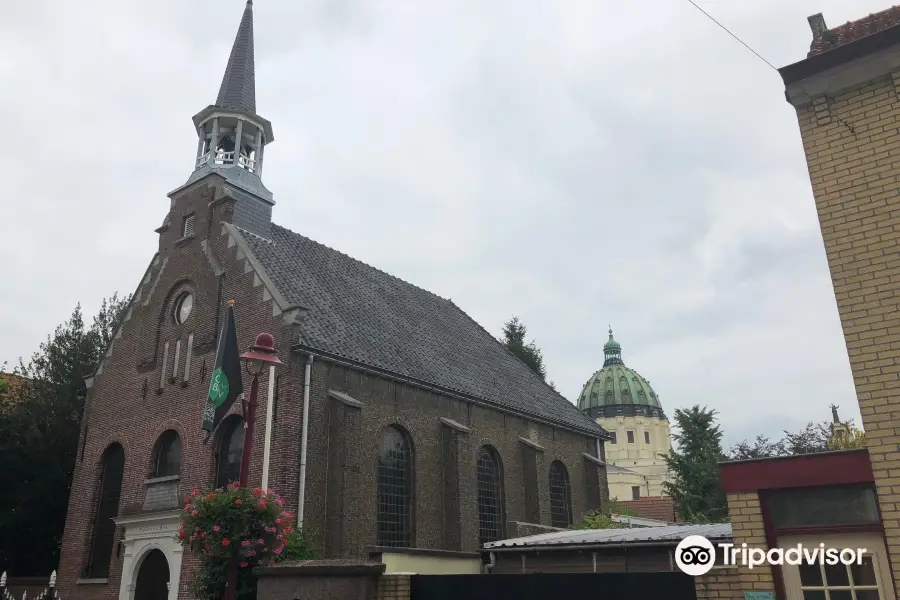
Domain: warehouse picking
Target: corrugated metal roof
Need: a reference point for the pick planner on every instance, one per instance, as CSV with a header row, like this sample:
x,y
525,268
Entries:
x,y
670,534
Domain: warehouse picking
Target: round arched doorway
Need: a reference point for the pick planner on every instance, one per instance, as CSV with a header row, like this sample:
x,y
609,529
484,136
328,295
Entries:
x,y
153,578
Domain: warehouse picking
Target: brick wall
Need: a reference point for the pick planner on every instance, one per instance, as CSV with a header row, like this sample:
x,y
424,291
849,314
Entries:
x,y
393,587
854,176
747,527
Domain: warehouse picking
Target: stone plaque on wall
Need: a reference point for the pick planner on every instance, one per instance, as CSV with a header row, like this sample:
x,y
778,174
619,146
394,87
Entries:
x,y
161,495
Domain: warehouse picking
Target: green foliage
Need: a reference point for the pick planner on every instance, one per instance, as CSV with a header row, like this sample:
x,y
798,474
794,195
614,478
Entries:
x,y
602,518
239,525
696,486
514,332
40,423
850,440
815,437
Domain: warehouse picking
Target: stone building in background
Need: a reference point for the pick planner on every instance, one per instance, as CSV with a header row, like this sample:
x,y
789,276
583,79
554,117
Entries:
x,y
396,422
624,404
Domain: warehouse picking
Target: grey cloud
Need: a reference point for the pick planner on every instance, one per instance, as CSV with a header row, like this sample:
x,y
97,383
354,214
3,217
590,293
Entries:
x,y
576,163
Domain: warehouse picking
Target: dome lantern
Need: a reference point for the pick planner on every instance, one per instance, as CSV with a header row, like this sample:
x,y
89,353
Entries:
x,y
618,391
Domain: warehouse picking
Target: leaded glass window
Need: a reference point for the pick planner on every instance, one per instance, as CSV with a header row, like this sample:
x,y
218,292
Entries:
x,y
394,490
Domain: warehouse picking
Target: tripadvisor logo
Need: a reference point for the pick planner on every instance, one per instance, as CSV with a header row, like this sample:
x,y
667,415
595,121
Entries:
x,y
695,555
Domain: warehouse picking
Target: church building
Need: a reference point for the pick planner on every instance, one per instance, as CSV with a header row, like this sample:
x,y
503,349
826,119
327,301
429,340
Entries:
x,y
396,420
625,405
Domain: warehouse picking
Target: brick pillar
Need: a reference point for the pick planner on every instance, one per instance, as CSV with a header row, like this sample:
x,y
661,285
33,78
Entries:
x,y
852,160
747,527
394,587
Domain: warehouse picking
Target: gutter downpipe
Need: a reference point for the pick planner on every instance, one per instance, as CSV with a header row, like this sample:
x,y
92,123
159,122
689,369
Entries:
x,y
493,563
304,439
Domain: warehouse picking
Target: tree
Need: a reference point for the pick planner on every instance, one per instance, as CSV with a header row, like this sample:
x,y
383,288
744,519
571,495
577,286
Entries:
x,y
762,447
849,441
696,487
815,437
603,518
514,332
40,424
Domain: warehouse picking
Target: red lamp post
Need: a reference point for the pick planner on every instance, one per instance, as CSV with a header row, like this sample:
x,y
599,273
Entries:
x,y
260,355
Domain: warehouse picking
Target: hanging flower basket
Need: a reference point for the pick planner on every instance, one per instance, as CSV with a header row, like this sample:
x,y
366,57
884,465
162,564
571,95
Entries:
x,y
246,525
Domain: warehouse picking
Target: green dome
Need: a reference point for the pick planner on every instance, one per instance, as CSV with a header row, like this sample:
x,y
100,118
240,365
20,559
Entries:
x,y
616,390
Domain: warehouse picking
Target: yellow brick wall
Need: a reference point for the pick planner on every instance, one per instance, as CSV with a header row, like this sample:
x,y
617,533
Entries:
x,y
854,176
393,587
747,527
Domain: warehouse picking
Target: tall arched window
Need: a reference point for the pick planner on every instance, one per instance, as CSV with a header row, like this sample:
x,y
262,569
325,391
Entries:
x,y
230,450
167,454
490,496
560,496
395,489
107,509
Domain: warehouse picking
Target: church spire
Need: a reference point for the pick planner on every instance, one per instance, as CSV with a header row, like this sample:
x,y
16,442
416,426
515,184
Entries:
x,y
233,138
238,89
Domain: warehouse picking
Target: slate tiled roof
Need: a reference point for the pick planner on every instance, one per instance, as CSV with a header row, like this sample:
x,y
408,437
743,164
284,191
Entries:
x,y
855,30
238,88
661,508
363,314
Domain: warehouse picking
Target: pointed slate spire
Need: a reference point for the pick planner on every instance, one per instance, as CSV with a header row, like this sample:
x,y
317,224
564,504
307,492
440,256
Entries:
x,y
238,90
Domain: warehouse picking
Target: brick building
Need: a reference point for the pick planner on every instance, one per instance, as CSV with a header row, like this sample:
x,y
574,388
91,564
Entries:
x,y
845,93
846,97
396,420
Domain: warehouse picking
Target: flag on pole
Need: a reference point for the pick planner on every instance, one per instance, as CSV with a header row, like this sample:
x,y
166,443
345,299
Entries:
x,y
225,385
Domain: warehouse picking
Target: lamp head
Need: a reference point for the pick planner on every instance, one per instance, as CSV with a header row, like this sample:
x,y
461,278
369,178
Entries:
x,y
261,354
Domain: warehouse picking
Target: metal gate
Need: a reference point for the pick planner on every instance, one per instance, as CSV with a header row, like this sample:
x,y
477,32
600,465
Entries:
x,y
560,586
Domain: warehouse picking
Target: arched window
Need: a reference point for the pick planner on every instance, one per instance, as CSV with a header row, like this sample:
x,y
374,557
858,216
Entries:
x,y
167,455
230,450
107,509
560,496
490,496
395,490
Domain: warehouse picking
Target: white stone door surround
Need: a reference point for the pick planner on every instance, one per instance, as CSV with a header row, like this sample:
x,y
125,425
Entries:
x,y
144,533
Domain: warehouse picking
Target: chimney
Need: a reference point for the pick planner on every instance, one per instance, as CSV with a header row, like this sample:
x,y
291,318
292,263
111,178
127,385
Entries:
x,y
817,24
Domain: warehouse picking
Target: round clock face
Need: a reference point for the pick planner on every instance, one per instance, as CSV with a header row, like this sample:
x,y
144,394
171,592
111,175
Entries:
x,y
183,307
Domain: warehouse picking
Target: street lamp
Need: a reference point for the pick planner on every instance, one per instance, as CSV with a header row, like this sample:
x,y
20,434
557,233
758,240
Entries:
x,y
261,354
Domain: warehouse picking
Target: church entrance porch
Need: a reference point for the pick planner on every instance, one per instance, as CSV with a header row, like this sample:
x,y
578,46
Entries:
x,y
153,577
151,569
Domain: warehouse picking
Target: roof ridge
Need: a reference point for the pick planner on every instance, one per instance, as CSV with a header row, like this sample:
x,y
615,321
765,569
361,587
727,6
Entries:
x,y
356,260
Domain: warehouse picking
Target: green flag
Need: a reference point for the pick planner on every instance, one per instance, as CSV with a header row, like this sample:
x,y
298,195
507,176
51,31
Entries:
x,y
225,384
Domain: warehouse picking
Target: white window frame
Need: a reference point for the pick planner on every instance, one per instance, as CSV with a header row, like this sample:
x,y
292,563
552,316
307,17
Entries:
x,y
872,542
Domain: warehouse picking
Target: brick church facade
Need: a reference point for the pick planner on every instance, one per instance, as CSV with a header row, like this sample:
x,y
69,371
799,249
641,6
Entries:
x,y
422,430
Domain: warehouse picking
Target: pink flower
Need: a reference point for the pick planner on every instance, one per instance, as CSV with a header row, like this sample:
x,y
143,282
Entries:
x,y
258,491
216,528
251,553
260,542
187,500
226,542
195,493
246,543
243,564
193,513
212,496
238,501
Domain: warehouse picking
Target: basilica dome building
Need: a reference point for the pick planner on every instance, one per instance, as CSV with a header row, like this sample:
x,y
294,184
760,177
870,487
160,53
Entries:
x,y
624,403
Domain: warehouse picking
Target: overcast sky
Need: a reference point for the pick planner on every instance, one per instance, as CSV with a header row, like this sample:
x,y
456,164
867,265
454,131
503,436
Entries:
x,y
574,162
